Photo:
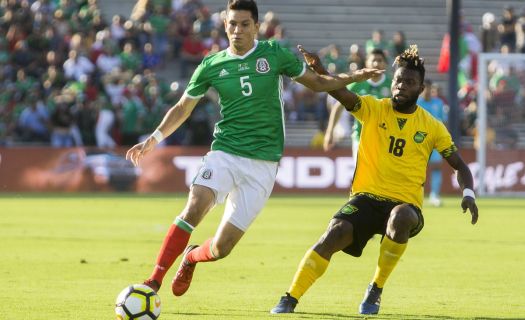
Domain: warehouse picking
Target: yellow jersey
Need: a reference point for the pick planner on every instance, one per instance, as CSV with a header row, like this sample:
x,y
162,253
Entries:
x,y
395,149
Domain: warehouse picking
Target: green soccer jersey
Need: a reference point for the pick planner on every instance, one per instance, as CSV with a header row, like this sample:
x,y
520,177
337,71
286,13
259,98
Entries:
x,y
380,89
250,98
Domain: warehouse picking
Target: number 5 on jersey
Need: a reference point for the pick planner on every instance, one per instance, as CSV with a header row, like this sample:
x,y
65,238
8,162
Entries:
x,y
246,86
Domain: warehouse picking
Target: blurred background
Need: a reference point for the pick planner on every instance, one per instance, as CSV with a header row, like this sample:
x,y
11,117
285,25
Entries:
x,y
81,80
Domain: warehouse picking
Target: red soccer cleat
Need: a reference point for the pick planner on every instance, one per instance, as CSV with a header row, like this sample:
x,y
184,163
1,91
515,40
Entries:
x,y
182,280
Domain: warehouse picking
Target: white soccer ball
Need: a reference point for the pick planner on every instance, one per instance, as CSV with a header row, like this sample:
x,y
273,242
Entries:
x,y
137,302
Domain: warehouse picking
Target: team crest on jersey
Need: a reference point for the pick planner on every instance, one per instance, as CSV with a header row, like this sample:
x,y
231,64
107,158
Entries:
x,y
420,136
349,209
262,65
206,174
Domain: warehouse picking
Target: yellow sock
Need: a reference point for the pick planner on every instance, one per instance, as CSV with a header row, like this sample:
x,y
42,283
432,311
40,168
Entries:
x,y
389,255
310,269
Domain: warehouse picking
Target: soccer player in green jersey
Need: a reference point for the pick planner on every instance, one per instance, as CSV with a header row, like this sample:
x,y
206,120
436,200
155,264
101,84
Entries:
x,y
248,141
397,139
378,87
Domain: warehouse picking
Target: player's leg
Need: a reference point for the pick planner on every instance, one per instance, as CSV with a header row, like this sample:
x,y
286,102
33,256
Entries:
x,y
212,249
315,262
353,225
404,222
200,200
211,185
242,207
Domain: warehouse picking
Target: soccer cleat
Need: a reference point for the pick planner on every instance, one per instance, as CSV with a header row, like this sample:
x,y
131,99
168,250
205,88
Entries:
x,y
371,301
153,284
182,280
286,304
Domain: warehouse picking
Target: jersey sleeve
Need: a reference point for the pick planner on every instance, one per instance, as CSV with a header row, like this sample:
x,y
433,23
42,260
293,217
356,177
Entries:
x,y
289,64
199,82
364,107
443,142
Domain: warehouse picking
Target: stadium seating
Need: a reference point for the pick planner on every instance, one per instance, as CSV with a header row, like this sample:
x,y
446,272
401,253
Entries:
x,y
316,24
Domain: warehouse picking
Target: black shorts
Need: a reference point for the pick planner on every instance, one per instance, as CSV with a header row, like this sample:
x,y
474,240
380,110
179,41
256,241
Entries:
x,y
369,215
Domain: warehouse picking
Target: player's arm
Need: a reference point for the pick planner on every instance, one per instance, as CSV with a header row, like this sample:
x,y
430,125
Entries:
x,y
466,183
320,80
347,98
173,119
335,114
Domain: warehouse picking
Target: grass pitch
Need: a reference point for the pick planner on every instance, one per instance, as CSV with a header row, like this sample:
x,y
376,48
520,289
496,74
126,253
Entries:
x,y
67,257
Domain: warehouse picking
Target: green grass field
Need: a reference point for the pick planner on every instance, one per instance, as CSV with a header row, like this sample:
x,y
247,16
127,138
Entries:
x,y
67,257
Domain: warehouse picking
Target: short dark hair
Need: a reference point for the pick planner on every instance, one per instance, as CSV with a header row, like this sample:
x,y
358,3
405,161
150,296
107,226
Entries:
x,y
410,59
379,52
248,5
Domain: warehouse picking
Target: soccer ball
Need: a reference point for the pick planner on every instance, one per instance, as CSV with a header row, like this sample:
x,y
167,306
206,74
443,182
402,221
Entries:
x,y
137,302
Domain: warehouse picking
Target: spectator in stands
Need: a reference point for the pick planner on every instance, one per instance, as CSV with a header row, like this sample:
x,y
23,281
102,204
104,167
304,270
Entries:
x,y
268,25
150,60
193,51
199,131
130,59
117,30
279,36
61,123
507,28
398,44
377,42
179,30
489,33
159,22
215,39
77,66
105,122
520,32
203,25
133,112
356,60
86,119
33,123
22,57
308,105
332,59
108,60
23,83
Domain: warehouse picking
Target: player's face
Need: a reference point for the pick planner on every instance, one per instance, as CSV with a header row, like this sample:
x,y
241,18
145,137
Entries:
x,y
376,61
406,88
241,30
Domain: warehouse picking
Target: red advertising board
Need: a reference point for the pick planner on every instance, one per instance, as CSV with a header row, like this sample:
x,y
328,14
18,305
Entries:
x,y
172,169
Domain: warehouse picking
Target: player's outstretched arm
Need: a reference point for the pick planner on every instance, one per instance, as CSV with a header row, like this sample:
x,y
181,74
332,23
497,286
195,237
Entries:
x,y
175,116
466,183
320,79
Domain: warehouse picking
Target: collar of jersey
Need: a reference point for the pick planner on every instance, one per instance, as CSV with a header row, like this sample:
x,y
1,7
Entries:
x,y
404,115
378,83
231,54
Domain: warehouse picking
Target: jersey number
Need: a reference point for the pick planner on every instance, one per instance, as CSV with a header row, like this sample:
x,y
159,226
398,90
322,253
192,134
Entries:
x,y
245,85
396,146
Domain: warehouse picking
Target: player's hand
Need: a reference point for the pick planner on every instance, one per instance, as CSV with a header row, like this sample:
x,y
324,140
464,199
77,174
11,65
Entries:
x,y
366,73
137,152
470,204
312,60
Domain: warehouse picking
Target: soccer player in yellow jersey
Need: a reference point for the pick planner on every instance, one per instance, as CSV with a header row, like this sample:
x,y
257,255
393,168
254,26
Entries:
x,y
397,139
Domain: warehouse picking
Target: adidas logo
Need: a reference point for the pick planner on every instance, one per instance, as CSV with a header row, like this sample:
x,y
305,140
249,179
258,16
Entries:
x,y
223,73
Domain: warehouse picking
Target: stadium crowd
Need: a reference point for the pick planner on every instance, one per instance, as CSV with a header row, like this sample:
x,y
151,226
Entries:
x,y
71,77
